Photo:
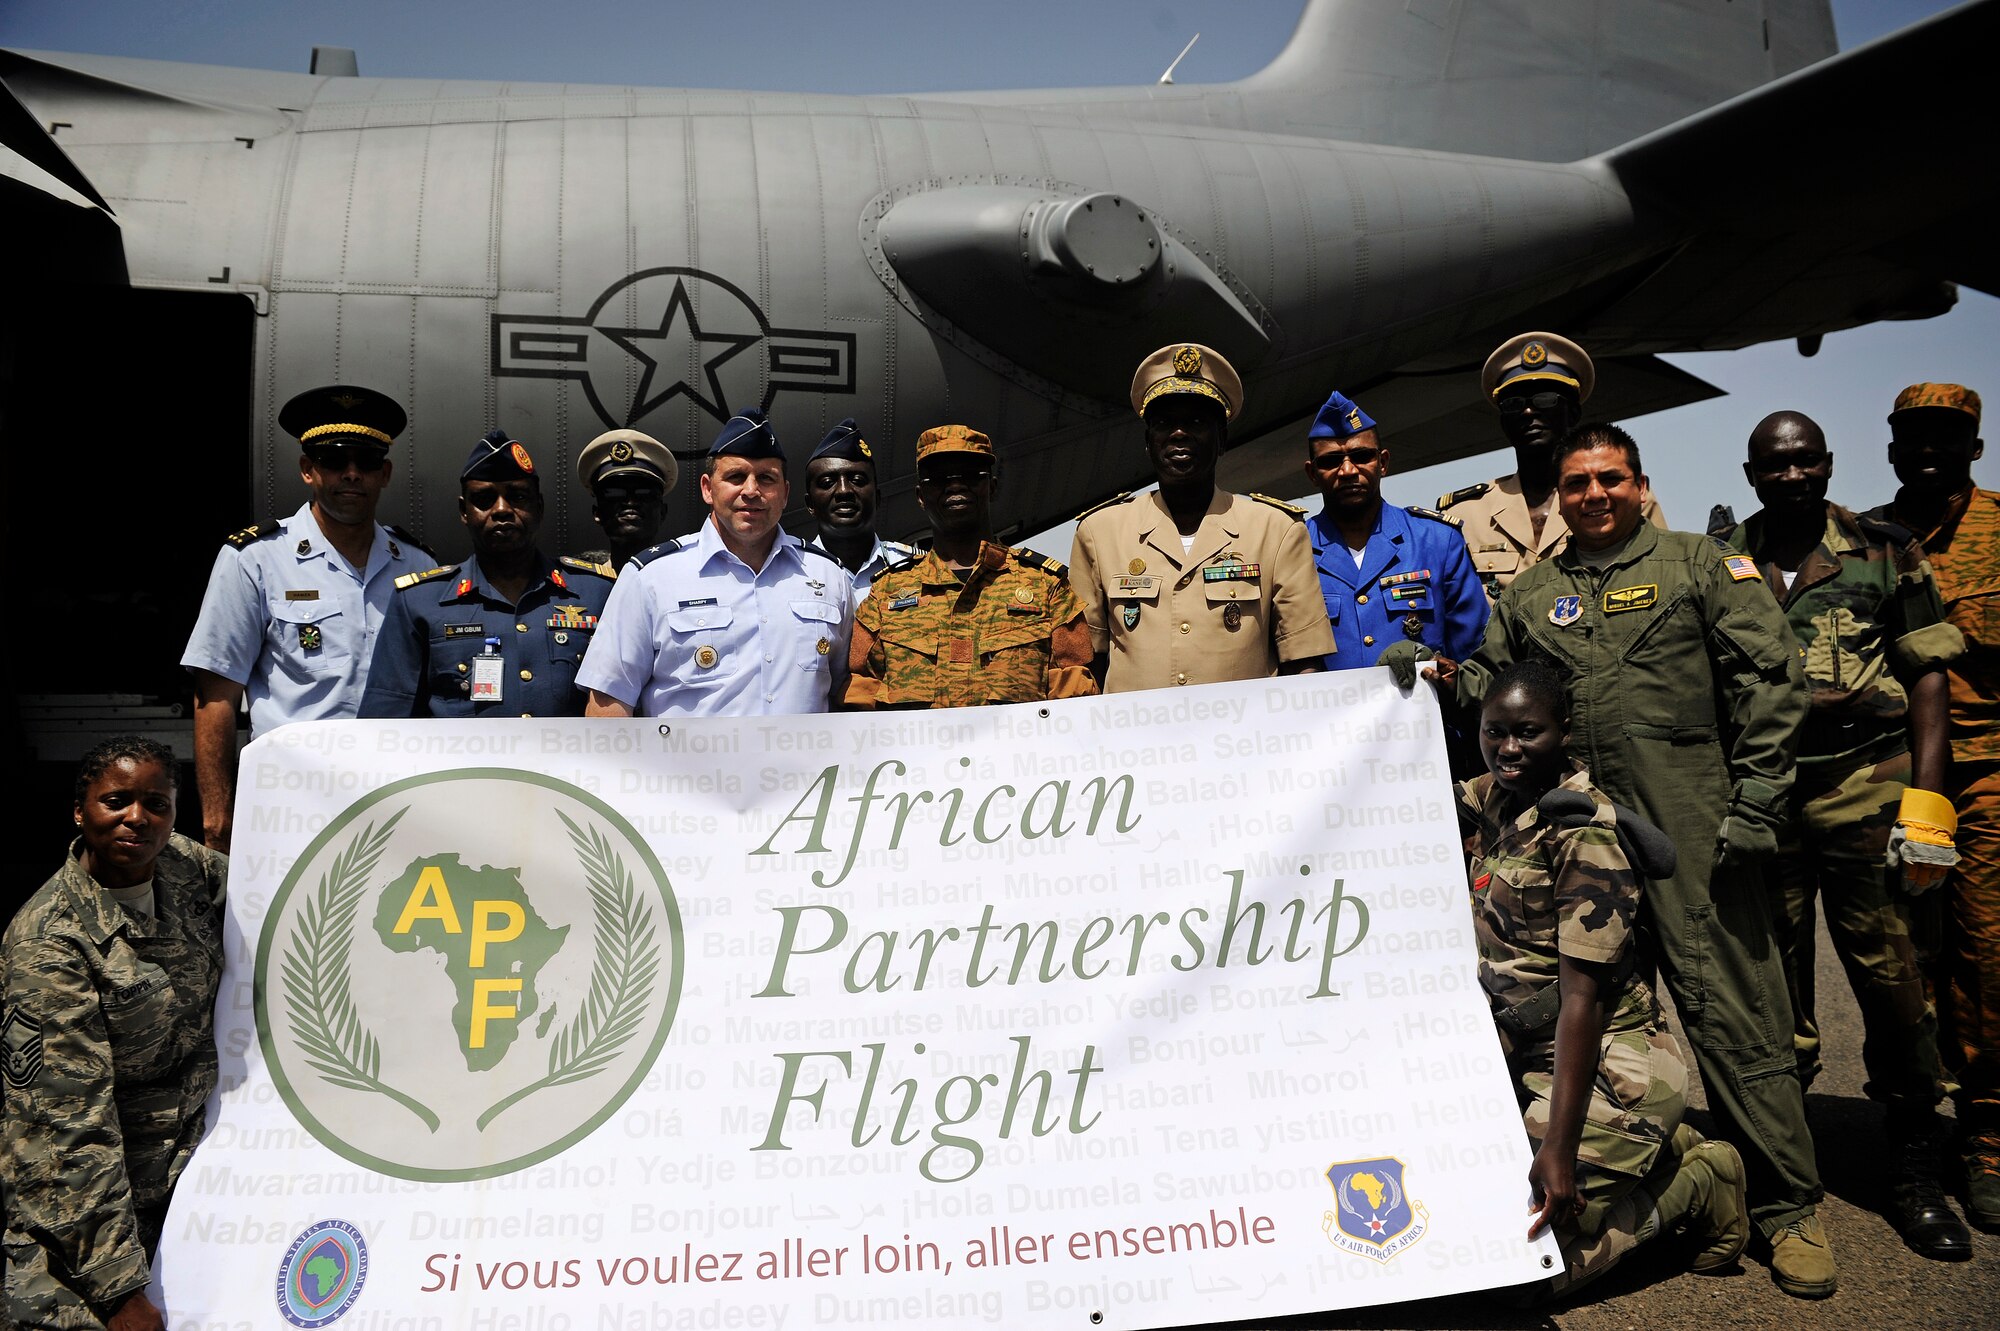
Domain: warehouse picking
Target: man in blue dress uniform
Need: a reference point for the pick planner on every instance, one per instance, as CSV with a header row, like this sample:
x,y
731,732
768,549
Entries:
x,y
840,491
501,634
293,604
1388,575
740,619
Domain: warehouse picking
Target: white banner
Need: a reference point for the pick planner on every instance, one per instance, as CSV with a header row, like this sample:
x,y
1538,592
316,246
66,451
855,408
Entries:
x,y
1130,1011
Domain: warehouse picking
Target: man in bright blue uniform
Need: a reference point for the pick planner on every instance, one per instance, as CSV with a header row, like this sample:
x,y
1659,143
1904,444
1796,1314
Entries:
x,y
740,619
293,604
1388,575
503,633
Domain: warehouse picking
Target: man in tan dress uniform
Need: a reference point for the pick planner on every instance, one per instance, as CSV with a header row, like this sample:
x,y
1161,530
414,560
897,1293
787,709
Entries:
x,y
1191,585
1539,382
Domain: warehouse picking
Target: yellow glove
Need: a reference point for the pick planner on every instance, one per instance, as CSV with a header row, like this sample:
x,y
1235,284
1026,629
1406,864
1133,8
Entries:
x,y
1921,842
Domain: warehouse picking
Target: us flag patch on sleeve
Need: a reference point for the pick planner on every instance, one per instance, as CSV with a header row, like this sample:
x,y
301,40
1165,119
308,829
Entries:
x,y
1741,567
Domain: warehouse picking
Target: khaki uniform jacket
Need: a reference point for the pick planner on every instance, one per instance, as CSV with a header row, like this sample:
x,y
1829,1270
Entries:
x,y
1011,632
1242,601
1501,535
109,1061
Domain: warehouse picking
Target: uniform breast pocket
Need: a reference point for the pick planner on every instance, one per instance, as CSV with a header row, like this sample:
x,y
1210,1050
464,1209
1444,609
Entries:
x,y
451,663
567,646
1239,601
139,1021
697,643
819,625
310,638
1492,557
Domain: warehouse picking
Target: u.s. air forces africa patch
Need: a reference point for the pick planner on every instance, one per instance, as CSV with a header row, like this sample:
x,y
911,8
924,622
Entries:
x,y
1373,1213
20,1049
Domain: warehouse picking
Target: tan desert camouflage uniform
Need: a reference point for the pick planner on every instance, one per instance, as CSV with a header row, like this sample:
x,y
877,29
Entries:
x,y
1012,631
1964,553
109,1061
1540,892
1866,609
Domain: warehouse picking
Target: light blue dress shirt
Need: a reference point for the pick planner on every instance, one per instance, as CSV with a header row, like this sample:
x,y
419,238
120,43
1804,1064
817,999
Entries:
x,y
692,630
883,556
289,619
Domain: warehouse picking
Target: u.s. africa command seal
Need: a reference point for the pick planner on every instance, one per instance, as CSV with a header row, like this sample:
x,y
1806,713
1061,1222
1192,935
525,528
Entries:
x,y
322,1274
466,973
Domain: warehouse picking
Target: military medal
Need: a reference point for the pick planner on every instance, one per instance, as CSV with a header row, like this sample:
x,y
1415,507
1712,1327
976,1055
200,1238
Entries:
x,y
1023,595
1136,566
823,647
1566,611
1413,626
309,637
704,656
1232,616
561,637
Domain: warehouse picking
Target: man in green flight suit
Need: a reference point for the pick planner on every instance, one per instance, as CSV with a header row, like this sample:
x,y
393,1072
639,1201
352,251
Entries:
x,y
1687,694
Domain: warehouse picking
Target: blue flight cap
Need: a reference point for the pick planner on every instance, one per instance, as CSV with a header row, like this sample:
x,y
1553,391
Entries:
x,y
1340,418
844,442
747,434
498,457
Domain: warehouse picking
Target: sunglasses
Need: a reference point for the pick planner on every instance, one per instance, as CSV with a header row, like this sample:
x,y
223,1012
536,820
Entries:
x,y
340,458
1540,403
1334,459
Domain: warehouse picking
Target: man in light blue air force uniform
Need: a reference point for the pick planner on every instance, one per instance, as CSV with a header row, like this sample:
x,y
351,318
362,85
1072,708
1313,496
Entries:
x,y
1388,574
294,604
740,619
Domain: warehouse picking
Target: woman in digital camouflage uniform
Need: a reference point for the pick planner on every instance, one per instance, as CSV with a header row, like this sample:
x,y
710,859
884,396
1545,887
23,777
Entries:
x,y
1602,1082
109,976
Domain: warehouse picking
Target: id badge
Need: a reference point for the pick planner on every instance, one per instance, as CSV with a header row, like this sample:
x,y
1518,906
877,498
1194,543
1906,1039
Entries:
x,y
486,673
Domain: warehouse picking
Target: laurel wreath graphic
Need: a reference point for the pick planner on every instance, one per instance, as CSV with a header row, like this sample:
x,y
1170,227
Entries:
x,y
318,1001
621,976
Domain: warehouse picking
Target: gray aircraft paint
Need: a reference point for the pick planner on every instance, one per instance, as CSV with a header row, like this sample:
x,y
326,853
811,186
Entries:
x,y
559,259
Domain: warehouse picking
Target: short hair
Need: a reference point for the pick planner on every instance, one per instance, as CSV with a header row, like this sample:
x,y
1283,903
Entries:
x,y
136,747
1598,434
1540,680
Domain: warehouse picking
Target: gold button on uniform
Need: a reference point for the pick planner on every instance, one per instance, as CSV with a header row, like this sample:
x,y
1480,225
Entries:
x,y
1184,626
520,628
527,674
461,667
1367,640
1180,679
1361,599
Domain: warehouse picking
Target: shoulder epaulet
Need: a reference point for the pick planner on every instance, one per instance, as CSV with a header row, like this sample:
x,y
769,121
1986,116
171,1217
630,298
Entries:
x,y
1722,543
259,531
1419,511
652,552
1124,498
601,569
1462,494
411,539
1035,559
409,580
1281,505
1893,532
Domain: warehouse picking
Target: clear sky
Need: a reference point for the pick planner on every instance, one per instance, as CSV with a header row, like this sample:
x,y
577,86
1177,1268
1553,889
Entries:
x,y
855,46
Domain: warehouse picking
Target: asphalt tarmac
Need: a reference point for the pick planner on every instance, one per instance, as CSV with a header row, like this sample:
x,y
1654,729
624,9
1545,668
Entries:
x,y
1883,1285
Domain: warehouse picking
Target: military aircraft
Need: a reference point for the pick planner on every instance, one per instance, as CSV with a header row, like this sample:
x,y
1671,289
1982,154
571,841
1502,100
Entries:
x,y
1399,188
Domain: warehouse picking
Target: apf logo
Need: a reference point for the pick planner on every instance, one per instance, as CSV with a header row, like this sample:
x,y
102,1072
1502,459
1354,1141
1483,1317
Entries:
x,y
467,972
322,1274
1373,1214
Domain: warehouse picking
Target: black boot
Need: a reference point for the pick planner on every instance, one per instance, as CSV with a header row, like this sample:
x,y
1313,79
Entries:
x,y
1917,1206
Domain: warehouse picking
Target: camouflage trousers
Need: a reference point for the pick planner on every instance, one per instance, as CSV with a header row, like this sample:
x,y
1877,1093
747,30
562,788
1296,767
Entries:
x,y
1967,970
1834,857
1622,1157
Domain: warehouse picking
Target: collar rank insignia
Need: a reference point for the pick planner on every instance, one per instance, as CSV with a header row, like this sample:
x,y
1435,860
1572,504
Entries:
x,y
1566,611
1631,598
556,577
464,587
305,548
395,551
1741,567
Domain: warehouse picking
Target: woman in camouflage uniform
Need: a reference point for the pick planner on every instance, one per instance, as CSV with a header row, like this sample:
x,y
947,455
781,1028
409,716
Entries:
x,y
1601,1080
109,976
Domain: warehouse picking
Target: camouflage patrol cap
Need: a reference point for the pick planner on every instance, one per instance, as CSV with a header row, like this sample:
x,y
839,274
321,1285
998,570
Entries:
x,y
1534,358
342,415
1188,367
625,453
1946,397
952,439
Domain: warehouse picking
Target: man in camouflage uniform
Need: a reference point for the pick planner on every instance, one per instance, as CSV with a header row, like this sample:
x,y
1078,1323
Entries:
x,y
1539,383
1862,602
1688,697
1934,440
970,622
92,1157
